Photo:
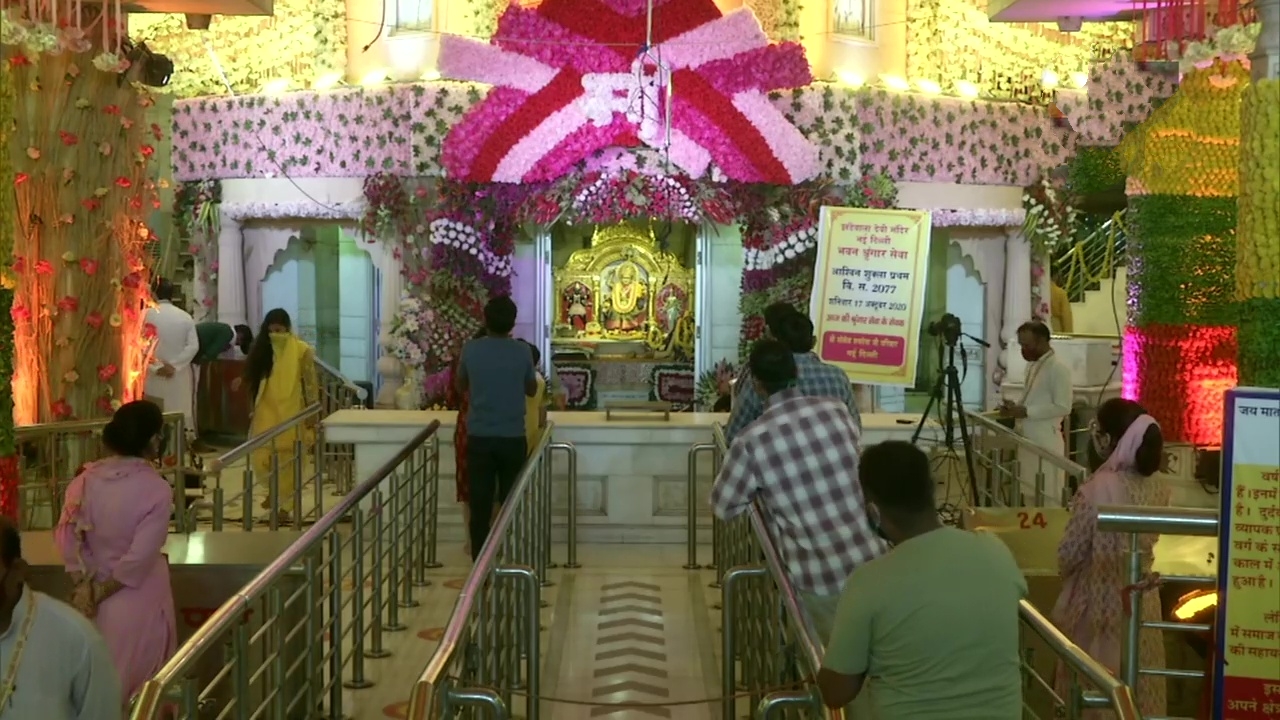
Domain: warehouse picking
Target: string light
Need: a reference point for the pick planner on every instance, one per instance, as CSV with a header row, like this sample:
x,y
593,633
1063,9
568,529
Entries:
x,y
852,79
1079,79
1049,79
374,77
324,82
966,89
893,82
929,87
277,86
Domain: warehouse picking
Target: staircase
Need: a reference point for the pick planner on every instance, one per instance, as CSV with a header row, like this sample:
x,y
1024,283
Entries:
x,y
1102,309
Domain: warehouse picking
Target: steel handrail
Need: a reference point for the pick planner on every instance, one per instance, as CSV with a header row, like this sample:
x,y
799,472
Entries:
x,y
1071,468
360,392
1195,522
247,447
231,613
1119,696
452,637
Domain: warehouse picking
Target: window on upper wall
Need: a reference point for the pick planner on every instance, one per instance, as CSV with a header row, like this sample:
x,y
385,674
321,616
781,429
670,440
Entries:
x,y
415,16
854,18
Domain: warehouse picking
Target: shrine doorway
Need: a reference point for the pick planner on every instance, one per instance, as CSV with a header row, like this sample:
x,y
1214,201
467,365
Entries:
x,y
622,305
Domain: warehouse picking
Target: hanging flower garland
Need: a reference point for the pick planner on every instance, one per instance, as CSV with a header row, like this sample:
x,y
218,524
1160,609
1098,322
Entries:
x,y
82,189
1049,223
196,220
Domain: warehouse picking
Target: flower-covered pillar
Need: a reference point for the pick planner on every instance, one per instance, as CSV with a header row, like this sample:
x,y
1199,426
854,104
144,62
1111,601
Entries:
x,y
1183,176
9,478
80,151
232,309
1258,237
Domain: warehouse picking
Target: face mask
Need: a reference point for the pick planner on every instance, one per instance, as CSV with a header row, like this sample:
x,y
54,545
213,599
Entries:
x,y
1030,355
279,339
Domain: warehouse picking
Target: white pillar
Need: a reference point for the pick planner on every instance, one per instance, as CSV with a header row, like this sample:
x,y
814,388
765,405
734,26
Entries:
x,y
231,290
390,370
1266,55
1017,299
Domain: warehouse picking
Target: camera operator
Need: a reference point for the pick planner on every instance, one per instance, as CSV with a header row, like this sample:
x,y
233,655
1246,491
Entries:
x,y
1038,416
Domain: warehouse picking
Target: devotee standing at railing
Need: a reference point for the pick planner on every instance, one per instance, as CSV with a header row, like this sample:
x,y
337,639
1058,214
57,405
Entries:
x,y
535,406
461,474
281,371
1038,416
111,535
816,378
1092,607
170,380
932,626
800,458
54,663
496,448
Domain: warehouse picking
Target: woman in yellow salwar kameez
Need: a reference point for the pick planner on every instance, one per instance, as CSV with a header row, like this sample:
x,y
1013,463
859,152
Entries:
x,y
281,373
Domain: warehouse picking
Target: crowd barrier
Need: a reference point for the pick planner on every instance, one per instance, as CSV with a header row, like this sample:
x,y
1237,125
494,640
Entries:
x,y
290,642
772,642
491,648
1138,521
49,454
1014,472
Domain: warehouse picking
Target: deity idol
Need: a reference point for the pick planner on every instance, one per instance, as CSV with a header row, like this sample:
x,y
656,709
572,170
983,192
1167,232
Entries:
x,y
627,301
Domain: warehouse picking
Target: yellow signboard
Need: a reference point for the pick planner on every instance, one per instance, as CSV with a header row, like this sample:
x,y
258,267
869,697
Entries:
x,y
869,290
1247,676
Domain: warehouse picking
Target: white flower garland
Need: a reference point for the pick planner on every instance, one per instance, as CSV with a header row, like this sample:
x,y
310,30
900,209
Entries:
x,y
466,239
1227,44
307,209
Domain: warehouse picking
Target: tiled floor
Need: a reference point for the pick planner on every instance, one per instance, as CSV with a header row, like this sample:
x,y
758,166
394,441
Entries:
x,y
629,626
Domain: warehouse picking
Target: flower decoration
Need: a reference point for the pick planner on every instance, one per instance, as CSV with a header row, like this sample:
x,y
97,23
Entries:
x,y
1258,237
197,218
715,384
1228,45
704,101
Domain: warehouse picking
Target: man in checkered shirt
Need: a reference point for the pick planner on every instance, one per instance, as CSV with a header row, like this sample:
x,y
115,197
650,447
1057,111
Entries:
x,y
816,378
800,459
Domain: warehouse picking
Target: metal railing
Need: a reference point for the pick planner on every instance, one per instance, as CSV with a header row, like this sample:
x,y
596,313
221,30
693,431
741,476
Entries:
x,y
338,393
1091,686
1091,261
692,499
1013,472
1136,522
290,454
50,454
290,642
491,646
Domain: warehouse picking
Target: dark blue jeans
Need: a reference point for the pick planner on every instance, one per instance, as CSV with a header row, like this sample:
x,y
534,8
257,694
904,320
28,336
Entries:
x,y
494,464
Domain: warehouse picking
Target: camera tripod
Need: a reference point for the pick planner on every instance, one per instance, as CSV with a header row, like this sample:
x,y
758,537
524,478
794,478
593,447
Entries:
x,y
947,399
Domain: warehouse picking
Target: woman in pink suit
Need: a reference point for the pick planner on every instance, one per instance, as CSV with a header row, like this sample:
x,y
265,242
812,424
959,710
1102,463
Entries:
x,y
111,535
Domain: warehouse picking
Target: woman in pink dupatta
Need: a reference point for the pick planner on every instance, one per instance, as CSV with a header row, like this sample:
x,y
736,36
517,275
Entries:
x,y
112,532
1094,565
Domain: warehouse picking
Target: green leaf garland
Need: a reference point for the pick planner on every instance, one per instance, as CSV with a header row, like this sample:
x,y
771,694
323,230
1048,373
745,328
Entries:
x,y
1259,338
1182,258
1095,170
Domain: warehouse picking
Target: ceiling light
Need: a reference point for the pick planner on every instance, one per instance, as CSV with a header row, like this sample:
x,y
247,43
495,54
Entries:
x,y
431,75
277,86
929,87
1049,79
966,89
893,82
374,77
1079,79
324,82
852,79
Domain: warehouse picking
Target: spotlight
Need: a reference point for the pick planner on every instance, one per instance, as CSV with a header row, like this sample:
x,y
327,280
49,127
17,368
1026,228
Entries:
x,y
275,87
324,82
1079,79
893,82
1049,79
852,79
375,77
966,89
929,87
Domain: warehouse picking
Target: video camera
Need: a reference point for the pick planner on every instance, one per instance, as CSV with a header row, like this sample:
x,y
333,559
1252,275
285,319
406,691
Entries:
x,y
947,327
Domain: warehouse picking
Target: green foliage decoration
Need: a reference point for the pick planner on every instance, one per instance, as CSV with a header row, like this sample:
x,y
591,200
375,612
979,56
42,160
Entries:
x,y
1182,254
1259,338
1095,170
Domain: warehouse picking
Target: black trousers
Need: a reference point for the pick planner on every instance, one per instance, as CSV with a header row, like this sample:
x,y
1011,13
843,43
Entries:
x,y
494,464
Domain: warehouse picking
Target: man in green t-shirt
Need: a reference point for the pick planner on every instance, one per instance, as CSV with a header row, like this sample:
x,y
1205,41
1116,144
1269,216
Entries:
x,y
931,627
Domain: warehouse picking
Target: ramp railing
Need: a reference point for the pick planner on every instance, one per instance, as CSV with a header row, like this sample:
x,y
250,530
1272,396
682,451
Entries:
x,y
50,454
1014,472
293,639
491,647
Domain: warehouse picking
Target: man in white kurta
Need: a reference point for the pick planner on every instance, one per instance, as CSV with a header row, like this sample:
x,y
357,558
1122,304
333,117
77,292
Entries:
x,y
171,379
1045,403
53,663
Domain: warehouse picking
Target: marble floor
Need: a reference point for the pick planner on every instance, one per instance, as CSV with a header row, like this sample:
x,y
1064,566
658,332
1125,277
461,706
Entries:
x,y
629,626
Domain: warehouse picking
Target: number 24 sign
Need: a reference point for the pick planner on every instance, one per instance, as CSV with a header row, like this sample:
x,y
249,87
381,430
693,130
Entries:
x,y
1027,520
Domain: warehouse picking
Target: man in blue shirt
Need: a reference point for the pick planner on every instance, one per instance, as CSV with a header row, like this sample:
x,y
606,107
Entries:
x,y
504,376
815,378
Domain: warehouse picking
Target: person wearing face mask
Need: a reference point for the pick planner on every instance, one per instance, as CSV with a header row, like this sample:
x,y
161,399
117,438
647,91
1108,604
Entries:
x,y
281,373
1045,403
1091,608
53,663
931,627
111,535
800,459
